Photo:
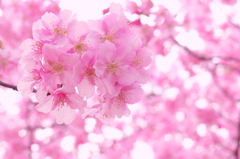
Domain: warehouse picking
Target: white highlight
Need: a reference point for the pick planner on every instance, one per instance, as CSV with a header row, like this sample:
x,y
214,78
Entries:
x,y
3,144
201,103
86,10
67,143
183,74
148,20
180,116
34,147
90,124
173,5
191,40
171,93
85,151
43,133
203,78
9,101
112,133
142,150
219,12
2,152
164,64
188,143
97,138
128,130
223,133
168,137
22,133
202,130
142,123
46,3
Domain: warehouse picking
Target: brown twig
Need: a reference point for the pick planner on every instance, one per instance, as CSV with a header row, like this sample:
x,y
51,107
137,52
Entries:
x,y
203,57
8,85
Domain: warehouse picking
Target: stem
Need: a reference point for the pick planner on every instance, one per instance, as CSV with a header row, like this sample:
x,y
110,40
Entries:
x,y
203,57
14,87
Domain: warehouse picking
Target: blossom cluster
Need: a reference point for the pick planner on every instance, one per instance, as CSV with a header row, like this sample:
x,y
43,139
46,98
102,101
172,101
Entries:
x,y
95,68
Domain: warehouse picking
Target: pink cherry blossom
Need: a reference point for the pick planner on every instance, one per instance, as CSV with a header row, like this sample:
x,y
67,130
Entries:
x,y
52,28
85,76
63,104
113,65
96,59
185,57
58,65
116,106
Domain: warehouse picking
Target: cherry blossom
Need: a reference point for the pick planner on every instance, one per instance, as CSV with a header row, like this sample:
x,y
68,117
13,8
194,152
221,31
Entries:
x,y
182,97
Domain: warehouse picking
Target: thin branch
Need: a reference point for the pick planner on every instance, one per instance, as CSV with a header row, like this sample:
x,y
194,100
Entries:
x,y
202,57
14,87
8,85
189,51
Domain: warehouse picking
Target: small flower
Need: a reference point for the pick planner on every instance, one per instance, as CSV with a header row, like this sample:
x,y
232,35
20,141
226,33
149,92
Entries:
x,y
63,104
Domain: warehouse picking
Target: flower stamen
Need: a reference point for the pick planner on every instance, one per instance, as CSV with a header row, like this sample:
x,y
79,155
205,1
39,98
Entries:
x,y
57,67
113,68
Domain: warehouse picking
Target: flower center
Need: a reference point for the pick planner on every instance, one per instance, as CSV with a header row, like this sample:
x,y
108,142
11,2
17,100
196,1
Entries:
x,y
137,62
80,47
113,67
90,73
37,47
1,45
3,63
61,100
105,116
35,75
56,67
109,36
59,30
121,97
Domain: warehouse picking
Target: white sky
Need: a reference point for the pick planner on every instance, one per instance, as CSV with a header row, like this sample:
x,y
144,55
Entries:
x,y
88,9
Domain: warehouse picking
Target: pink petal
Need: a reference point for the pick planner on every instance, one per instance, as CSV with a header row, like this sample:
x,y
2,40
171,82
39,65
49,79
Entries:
x,y
64,114
77,102
78,73
127,76
45,106
77,29
106,51
85,88
48,19
25,87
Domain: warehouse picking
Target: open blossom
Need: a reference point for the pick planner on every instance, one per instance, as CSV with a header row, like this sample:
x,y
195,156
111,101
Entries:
x,y
114,28
32,53
63,104
116,106
113,65
85,76
33,78
140,62
52,28
58,64
84,39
